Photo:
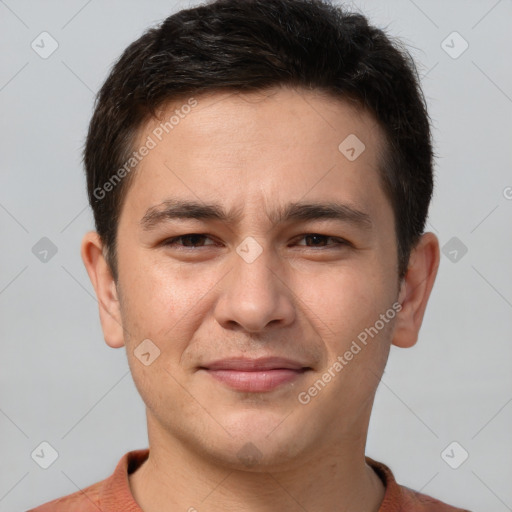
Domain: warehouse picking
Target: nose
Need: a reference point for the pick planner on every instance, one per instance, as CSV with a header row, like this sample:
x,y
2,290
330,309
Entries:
x,y
254,296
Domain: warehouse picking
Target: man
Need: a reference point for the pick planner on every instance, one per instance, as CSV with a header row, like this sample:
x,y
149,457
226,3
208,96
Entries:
x,y
260,173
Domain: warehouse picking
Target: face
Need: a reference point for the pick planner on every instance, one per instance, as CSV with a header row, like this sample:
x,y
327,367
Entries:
x,y
270,302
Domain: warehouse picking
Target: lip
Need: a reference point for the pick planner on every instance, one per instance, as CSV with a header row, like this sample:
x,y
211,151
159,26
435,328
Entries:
x,y
255,375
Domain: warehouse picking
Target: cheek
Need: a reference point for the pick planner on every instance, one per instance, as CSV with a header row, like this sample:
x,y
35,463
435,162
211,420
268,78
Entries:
x,y
344,301
164,301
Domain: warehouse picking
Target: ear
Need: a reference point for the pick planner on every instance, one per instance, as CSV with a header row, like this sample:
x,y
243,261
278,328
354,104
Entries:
x,y
415,290
105,287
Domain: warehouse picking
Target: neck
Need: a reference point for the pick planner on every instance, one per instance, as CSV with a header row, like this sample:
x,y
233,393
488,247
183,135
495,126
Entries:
x,y
176,478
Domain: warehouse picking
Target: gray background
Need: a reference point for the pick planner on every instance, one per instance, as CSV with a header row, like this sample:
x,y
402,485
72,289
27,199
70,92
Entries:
x,y
60,382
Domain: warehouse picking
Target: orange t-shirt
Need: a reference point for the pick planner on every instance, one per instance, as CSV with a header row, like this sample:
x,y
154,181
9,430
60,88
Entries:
x,y
114,495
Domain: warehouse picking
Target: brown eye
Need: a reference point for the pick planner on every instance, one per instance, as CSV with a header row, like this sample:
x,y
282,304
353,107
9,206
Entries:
x,y
188,240
318,240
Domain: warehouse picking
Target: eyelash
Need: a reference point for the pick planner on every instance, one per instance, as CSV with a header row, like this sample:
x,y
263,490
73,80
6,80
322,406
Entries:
x,y
339,241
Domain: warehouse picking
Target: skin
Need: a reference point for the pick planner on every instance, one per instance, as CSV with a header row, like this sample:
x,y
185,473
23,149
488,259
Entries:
x,y
257,152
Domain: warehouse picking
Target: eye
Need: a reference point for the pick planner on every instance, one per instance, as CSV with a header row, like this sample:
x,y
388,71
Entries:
x,y
318,240
189,240
196,240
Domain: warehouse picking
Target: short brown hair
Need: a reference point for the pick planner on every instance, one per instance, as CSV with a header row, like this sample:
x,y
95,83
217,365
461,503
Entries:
x,y
253,45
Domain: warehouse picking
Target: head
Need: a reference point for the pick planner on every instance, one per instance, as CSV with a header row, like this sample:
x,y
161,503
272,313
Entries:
x,y
257,125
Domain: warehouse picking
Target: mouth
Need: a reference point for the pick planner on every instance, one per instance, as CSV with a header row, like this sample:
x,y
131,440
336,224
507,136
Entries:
x,y
255,375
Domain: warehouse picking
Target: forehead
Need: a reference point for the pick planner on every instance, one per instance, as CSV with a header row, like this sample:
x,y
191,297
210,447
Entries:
x,y
314,114
242,148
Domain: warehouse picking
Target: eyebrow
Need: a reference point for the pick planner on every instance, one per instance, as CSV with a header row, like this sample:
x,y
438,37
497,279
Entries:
x,y
172,209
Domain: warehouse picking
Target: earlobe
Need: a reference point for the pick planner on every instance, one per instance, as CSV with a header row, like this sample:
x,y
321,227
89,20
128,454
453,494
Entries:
x,y
105,288
415,290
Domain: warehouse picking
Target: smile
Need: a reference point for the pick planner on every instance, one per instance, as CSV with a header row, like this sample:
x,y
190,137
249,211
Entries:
x,y
255,381
255,375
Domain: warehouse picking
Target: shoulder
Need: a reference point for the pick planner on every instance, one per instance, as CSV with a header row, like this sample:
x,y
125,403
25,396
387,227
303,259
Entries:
x,y
85,500
399,498
415,501
112,493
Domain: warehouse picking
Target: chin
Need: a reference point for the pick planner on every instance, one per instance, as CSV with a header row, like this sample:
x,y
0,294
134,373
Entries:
x,y
259,440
